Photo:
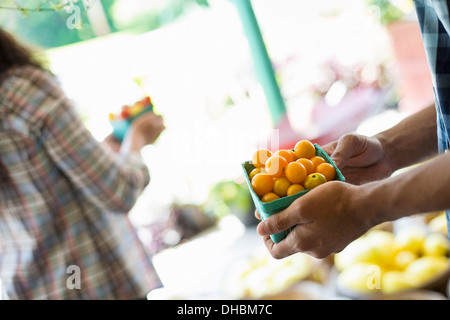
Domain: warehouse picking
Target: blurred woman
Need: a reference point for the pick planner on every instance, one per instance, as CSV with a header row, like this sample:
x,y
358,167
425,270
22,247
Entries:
x,y
64,196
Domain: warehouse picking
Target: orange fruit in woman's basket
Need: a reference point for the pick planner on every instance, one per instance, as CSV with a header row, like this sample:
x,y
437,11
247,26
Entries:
x,y
313,180
295,172
281,186
316,160
262,183
260,157
308,164
327,170
268,197
287,154
294,188
305,149
275,166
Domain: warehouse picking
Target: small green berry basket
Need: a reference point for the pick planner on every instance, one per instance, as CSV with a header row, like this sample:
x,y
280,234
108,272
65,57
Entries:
x,y
266,209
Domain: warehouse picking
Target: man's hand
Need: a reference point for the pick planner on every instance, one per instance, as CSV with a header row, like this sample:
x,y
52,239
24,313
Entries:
x,y
329,217
324,222
361,159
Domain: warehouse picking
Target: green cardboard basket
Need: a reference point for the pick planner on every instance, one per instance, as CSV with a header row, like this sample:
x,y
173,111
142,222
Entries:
x,y
121,126
266,209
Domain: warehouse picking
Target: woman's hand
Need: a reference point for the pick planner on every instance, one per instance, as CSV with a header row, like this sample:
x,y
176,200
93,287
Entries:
x,y
143,131
148,126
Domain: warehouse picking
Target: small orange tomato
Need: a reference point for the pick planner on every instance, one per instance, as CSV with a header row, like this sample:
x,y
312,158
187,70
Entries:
x,y
294,188
275,166
268,197
281,185
253,173
304,149
262,183
260,157
308,164
287,154
316,160
327,170
295,172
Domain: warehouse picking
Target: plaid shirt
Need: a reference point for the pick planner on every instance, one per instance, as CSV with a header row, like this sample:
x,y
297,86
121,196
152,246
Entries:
x,y
64,199
433,16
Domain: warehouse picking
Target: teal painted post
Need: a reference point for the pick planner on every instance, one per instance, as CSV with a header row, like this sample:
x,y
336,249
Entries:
x,y
262,63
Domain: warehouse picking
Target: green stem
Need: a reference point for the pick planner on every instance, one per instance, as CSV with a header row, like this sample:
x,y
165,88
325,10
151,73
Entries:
x,y
27,9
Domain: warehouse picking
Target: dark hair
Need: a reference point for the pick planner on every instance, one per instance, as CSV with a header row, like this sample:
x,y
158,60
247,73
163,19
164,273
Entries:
x,y
14,54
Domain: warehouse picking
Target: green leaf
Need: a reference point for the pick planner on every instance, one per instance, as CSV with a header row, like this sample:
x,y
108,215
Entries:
x,y
24,11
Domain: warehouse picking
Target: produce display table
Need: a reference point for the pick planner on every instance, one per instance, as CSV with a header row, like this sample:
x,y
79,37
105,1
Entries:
x,y
229,261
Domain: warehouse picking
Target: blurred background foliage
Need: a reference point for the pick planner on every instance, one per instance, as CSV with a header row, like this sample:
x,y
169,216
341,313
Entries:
x,y
31,19
391,10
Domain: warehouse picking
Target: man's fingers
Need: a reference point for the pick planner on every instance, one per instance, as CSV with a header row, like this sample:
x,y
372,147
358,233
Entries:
x,y
288,246
277,250
329,148
344,150
279,222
